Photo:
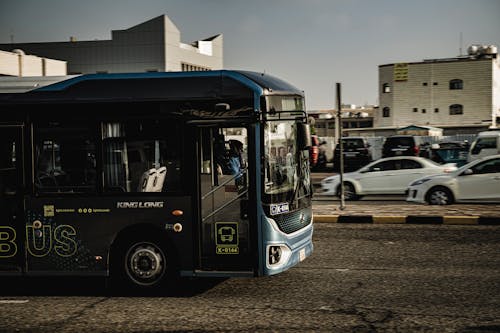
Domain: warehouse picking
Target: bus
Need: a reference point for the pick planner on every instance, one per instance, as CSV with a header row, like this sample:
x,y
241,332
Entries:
x,y
128,176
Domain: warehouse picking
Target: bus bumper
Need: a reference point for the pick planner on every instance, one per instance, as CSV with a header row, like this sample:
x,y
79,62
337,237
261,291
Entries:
x,y
283,251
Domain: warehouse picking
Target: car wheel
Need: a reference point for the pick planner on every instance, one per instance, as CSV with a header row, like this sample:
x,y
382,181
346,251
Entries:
x,y
349,192
439,196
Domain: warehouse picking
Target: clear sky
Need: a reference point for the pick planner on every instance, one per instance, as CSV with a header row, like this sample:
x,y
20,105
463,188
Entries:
x,y
310,43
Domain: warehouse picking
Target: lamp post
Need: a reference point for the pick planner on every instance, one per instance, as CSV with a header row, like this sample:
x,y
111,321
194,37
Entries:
x,y
341,147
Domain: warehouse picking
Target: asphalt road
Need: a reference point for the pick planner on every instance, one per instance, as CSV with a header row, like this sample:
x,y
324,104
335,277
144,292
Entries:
x,y
361,278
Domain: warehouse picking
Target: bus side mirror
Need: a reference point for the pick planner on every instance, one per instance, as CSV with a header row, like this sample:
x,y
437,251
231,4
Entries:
x,y
303,136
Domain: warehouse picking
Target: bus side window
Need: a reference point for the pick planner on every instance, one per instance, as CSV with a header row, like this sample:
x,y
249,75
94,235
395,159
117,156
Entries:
x,y
65,159
141,157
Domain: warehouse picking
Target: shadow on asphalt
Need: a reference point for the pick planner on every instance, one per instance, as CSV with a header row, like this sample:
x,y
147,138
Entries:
x,y
96,286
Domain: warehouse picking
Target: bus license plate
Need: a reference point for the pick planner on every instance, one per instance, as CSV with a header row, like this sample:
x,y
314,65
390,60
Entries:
x,y
302,254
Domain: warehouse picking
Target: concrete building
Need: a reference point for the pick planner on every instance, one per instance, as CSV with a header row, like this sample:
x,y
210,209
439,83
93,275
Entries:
x,y
460,95
152,46
354,119
19,64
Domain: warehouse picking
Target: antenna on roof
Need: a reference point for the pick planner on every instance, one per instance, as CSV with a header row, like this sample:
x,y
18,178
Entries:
x,y
461,40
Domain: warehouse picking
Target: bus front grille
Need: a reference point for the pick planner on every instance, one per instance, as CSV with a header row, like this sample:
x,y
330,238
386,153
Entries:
x,y
289,223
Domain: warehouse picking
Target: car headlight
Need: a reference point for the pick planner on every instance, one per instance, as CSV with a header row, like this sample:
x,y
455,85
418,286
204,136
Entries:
x,y
420,182
330,180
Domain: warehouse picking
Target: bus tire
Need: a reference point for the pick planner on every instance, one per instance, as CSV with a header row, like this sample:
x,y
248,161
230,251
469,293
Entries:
x,y
143,265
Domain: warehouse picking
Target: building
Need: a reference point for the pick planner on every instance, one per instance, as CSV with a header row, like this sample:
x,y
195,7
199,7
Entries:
x,y
19,64
459,95
353,118
152,46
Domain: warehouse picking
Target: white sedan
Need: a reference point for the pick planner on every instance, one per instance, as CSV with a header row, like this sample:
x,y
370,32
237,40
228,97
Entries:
x,y
389,175
476,181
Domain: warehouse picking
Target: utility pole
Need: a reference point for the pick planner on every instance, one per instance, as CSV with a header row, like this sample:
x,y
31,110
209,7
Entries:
x,y
341,147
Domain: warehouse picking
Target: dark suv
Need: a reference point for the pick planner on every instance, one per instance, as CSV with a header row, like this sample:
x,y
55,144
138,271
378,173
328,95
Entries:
x,y
401,145
356,154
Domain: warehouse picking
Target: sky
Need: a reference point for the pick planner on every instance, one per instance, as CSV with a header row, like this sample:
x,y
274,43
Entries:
x,y
313,44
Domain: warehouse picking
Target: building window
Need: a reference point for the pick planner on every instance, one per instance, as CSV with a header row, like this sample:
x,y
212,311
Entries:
x,y
386,112
424,111
435,84
424,84
456,84
415,109
436,110
386,88
456,109
190,68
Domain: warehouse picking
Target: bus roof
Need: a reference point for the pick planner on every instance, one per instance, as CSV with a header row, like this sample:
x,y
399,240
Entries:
x,y
157,86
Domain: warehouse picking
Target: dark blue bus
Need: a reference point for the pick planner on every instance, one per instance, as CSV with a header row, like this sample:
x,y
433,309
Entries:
x,y
133,176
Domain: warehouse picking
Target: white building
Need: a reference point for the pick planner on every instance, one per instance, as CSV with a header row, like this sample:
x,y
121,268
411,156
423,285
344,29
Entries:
x,y
152,46
19,64
460,95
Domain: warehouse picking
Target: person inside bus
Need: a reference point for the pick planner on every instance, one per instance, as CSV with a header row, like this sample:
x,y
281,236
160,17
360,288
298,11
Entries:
x,y
235,158
221,159
236,162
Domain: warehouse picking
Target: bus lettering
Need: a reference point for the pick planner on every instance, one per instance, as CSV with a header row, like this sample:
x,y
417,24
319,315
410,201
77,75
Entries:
x,y
65,242
8,246
139,204
40,242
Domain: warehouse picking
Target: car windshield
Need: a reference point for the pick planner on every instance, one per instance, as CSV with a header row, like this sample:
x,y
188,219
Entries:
x,y
353,143
400,141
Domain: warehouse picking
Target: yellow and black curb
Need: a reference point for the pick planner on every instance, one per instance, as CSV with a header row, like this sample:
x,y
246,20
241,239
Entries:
x,y
408,219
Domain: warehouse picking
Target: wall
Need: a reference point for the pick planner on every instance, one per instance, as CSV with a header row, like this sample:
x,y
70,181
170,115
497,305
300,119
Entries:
x,y
427,90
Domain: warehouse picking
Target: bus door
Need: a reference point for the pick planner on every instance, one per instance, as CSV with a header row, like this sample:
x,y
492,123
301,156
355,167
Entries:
x,y
225,243
11,199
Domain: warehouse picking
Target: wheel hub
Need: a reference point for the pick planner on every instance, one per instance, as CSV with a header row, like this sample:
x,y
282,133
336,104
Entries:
x,y
145,264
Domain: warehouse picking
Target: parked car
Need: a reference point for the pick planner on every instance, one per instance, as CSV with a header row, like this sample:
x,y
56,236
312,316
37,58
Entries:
x,y
478,180
486,144
448,152
322,158
356,153
314,151
401,145
385,176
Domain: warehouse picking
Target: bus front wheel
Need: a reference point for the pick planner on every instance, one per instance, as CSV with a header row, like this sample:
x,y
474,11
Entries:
x,y
145,263
142,265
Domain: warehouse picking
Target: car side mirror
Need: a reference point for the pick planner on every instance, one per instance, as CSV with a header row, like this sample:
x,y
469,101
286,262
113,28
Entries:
x,y
476,149
467,172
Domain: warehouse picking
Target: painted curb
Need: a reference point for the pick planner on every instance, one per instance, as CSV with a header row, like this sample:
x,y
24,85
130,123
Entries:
x,y
409,219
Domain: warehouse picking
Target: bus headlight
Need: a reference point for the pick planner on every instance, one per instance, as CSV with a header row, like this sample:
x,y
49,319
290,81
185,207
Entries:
x,y
277,255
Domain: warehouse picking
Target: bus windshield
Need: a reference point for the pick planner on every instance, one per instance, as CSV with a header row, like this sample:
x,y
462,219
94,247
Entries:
x,y
281,158
286,173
